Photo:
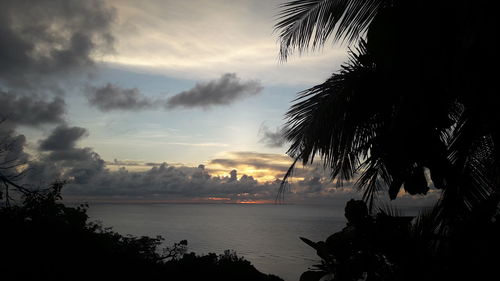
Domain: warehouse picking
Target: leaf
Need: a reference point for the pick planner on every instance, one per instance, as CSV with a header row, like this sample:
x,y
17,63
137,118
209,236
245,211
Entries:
x,y
309,23
309,242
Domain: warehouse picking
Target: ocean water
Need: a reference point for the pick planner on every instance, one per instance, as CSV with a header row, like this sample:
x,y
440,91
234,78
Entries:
x,y
267,235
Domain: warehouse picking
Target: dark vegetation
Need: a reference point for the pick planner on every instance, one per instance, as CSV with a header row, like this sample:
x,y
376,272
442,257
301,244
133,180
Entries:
x,y
42,239
388,246
414,110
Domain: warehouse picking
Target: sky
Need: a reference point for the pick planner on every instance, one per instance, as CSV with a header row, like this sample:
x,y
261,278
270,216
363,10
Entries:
x,y
157,100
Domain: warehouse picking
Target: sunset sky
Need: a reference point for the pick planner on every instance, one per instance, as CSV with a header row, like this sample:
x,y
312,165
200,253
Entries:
x,y
163,48
104,92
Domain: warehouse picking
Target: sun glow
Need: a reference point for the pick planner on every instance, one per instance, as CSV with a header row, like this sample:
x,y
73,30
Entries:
x,y
219,199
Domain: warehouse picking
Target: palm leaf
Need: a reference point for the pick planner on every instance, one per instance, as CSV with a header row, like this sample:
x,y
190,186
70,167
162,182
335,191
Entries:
x,y
374,178
303,23
470,177
340,120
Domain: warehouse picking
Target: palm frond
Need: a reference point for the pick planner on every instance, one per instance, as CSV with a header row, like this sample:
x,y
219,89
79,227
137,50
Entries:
x,y
334,120
339,121
303,23
373,179
285,183
389,210
471,154
427,228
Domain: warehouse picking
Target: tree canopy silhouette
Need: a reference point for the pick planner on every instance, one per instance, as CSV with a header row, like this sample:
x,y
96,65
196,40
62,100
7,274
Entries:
x,y
416,97
43,239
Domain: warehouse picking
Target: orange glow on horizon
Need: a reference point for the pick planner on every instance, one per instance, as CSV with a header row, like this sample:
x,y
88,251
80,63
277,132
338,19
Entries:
x,y
219,198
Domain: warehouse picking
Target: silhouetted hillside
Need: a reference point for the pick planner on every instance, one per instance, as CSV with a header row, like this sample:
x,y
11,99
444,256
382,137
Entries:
x,y
43,239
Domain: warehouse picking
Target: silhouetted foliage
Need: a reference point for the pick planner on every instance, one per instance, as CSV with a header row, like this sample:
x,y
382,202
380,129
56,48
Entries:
x,y
217,267
42,239
416,97
387,247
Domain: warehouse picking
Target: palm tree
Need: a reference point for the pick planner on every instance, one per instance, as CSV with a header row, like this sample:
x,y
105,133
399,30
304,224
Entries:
x,y
402,106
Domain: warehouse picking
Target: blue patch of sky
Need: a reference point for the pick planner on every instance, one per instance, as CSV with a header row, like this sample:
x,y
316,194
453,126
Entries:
x,y
179,135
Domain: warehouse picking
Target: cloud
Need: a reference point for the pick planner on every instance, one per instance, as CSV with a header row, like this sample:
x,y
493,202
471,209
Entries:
x,y
44,44
184,40
167,182
270,162
223,91
277,167
113,97
46,37
62,138
61,159
272,138
89,179
88,176
182,183
30,110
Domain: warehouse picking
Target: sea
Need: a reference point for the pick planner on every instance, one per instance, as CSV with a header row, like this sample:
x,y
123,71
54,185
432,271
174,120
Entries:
x,y
267,235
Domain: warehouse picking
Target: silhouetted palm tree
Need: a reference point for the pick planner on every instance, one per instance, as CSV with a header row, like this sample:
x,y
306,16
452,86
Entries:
x,y
412,98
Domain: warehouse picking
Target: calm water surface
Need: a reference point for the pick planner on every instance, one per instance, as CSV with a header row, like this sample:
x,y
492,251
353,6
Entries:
x,y
266,235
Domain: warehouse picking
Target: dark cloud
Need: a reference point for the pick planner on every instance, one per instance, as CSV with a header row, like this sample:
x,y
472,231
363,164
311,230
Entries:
x,y
223,91
233,175
117,162
272,138
170,182
113,97
62,138
167,182
45,46
61,159
46,37
30,110
88,176
78,166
